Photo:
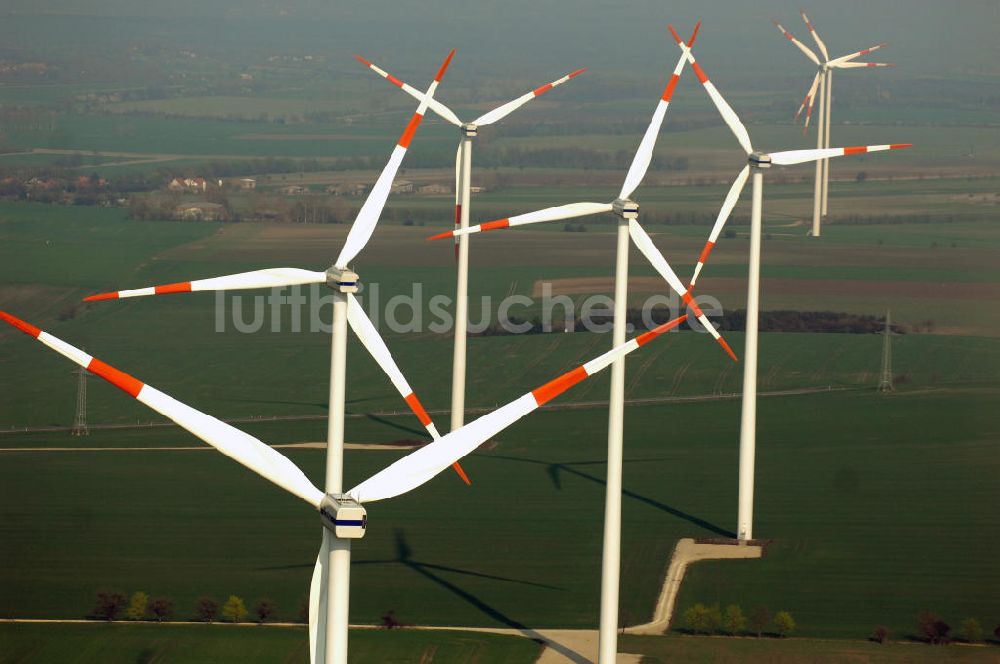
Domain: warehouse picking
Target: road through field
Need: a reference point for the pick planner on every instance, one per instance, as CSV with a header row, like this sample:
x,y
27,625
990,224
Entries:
x,y
579,405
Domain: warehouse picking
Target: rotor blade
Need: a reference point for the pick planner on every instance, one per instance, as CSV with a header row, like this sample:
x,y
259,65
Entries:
x,y
660,264
790,157
274,277
810,100
375,345
802,47
728,114
644,155
239,446
727,208
856,54
570,211
815,36
861,65
422,465
501,112
318,602
443,111
364,225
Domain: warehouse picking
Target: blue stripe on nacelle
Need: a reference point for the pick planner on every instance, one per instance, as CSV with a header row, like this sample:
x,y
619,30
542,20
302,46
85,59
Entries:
x,y
348,522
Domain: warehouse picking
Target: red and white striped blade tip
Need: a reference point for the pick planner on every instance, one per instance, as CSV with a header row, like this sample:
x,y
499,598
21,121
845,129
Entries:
x,y
113,295
552,389
362,60
461,473
441,236
725,347
16,322
576,73
162,289
444,66
677,37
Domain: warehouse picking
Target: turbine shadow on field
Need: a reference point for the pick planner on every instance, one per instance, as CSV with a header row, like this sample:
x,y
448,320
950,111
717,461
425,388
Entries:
x,y
385,421
553,470
404,556
312,404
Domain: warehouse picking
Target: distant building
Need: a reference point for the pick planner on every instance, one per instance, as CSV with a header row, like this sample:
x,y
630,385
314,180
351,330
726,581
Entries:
x,y
200,212
401,187
247,183
294,190
477,190
188,184
434,189
349,189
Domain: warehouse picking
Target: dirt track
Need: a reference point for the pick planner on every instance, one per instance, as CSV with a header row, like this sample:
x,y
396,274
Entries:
x,y
812,287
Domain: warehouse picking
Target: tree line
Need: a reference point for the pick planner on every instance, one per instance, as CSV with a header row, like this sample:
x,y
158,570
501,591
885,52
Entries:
x,y
113,605
734,320
702,619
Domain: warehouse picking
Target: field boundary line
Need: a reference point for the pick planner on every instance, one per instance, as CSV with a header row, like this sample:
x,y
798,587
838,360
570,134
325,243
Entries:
x,y
573,405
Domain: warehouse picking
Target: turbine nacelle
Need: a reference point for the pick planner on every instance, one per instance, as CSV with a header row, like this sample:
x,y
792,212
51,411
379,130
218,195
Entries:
x,y
342,279
625,208
469,130
760,160
343,516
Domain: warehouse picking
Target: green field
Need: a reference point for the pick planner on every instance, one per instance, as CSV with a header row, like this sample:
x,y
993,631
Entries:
x,y
877,506
864,525
753,651
195,644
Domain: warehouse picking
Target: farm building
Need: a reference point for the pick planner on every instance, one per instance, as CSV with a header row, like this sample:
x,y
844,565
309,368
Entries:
x,y
188,184
350,189
434,189
200,212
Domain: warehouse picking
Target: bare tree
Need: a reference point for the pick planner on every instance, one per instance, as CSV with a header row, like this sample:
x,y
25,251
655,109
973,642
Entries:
x,y
760,618
264,610
110,604
932,628
161,607
206,609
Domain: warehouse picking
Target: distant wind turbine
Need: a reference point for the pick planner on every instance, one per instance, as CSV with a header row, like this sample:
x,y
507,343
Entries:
x,y
463,188
759,162
823,80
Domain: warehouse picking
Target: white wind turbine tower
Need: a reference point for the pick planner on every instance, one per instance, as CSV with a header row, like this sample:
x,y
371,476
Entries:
x,y
335,553
627,212
824,82
463,188
343,515
759,162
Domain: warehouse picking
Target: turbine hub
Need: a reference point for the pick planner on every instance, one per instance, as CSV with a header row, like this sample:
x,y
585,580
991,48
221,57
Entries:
x,y
625,208
469,130
760,160
345,517
342,279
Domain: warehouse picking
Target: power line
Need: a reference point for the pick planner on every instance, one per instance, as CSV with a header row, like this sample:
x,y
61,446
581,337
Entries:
x,y
80,421
885,382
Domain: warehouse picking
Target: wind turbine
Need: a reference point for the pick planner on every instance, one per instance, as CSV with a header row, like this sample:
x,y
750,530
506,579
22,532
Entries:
x,y
463,175
336,552
759,162
343,515
824,81
627,212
